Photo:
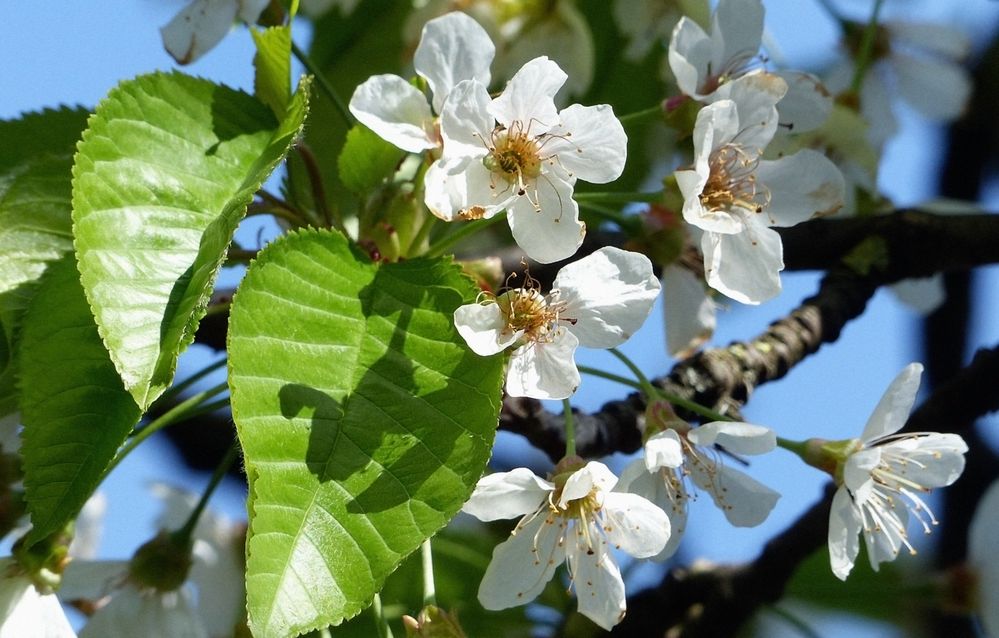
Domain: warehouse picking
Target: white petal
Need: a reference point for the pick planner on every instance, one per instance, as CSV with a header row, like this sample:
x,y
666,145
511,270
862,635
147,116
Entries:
x,y
930,38
689,55
92,579
396,110
736,437
745,501
689,311
923,294
885,540
463,187
930,460
507,495
596,577
594,475
663,449
589,143
876,105
936,88
453,47
544,370
665,490
745,266
857,473
529,97
844,531
484,328
552,233
466,125
198,28
983,538
893,409
523,564
154,614
635,525
26,613
609,293
807,104
801,186
756,97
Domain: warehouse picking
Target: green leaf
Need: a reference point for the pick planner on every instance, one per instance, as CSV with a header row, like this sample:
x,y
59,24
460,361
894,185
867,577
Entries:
x,y
366,160
364,419
75,410
272,67
49,131
162,178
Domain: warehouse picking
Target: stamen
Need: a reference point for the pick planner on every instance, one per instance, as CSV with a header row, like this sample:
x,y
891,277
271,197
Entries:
x,y
732,181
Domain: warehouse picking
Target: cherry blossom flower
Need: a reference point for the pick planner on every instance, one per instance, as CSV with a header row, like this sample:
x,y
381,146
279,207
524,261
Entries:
x,y
735,196
883,477
598,301
452,48
701,62
689,312
679,451
983,538
203,23
25,611
518,152
575,518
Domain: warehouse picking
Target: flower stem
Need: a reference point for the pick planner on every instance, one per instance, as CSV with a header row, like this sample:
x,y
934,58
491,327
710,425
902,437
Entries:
x,y
324,84
178,413
429,591
866,48
384,631
796,447
647,388
437,248
596,372
184,533
570,428
639,116
619,198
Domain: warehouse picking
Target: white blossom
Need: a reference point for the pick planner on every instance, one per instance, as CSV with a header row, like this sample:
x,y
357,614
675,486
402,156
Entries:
x,y
885,477
452,48
598,301
520,153
689,311
983,538
575,518
203,23
24,611
672,455
735,196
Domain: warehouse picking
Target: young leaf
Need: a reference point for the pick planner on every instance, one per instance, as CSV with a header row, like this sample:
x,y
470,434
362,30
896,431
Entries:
x,y
162,178
366,159
272,67
364,419
75,411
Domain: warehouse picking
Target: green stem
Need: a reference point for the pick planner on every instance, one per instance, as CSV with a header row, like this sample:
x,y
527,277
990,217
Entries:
x,y
619,198
639,116
570,428
797,447
465,230
384,631
178,413
596,372
184,533
429,591
324,84
866,48
643,381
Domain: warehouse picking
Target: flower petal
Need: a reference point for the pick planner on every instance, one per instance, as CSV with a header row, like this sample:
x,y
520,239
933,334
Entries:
x,y
635,525
983,538
596,577
929,460
133,613
893,409
544,370
453,47
922,294
92,579
940,39
396,110
529,97
589,143
844,534
857,473
463,188
665,490
25,612
738,24
689,311
807,104
689,56
663,449
552,230
736,437
609,293
198,28
507,495
756,97
938,89
801,186
466,125
745,266
484,328
523,564
745,501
